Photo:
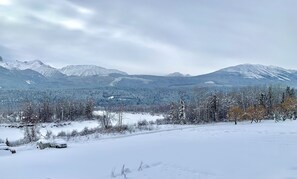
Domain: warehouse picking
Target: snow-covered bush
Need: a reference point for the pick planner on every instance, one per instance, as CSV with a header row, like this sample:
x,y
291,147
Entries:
x,y
31,133
18,142
74,133
142,123
48,134
86,131
62,134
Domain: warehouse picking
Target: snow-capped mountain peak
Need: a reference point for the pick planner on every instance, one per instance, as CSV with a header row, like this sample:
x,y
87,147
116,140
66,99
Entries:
x,y
88,70
260,71
48,71
178,74
35,65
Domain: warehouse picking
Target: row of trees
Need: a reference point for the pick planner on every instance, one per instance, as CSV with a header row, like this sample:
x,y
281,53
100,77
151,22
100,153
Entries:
x,y
285,110
132,98
250,103
47,111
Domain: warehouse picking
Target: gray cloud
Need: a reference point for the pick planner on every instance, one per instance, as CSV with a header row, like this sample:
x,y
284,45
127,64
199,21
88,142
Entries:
x,y
149,36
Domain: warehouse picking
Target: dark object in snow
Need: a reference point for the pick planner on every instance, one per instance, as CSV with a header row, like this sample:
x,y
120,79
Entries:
x,y
7,142
42,144
58,143
12,151
5,149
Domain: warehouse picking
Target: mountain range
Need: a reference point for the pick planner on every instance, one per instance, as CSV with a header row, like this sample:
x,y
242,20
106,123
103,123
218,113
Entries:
x,y
38,75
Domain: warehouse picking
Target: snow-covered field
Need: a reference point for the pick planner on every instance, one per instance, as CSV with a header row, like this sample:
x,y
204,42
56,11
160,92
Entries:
x,y
10,133
133,118
128,118
265,150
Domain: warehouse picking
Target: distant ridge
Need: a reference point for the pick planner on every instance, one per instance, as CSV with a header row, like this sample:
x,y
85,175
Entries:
x,y
38,75
88,70
178,74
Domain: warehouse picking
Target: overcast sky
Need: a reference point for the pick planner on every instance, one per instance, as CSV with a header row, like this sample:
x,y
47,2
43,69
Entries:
x,y
151,36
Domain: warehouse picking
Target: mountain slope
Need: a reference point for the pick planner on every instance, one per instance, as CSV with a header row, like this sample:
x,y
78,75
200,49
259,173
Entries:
x,y
261,72
35,65
236,76
178,74
35,74
88,70
20,79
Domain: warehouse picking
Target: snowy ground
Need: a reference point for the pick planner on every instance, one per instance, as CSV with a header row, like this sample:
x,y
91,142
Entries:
x,y
133,118
10,133
128,118
223,151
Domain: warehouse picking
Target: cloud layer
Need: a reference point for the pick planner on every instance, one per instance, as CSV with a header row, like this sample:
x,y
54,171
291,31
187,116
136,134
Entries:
x,y
151,37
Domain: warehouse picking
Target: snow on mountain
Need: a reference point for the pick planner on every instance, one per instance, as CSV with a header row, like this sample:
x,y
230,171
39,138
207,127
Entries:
x,y
88,70
119,79
177,74
34,65
210,82
48,71
17,73
260,71
29,82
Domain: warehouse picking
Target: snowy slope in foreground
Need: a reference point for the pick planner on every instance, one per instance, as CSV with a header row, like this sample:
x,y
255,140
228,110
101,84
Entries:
x,y
221,151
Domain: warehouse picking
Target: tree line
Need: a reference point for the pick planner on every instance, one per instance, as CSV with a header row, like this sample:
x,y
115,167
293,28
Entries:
x,y
49,111
249,103
200,105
